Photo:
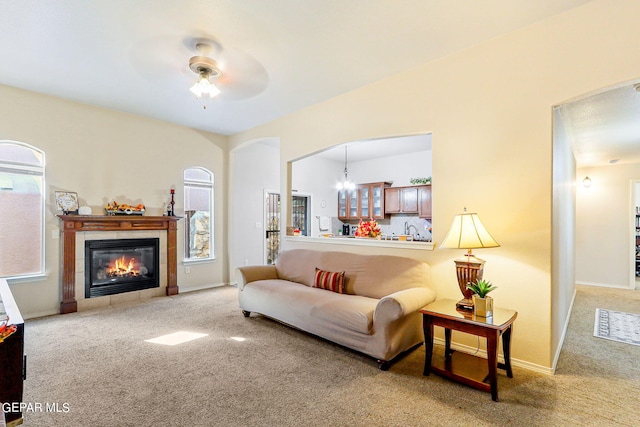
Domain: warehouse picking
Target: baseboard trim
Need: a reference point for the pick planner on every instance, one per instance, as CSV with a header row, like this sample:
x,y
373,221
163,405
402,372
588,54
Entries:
x,y
554,365
184,289
483,353
41,314
603,285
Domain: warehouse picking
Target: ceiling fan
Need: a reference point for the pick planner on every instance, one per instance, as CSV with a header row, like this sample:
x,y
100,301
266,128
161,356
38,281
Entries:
x,y
175,64
207,70
225,72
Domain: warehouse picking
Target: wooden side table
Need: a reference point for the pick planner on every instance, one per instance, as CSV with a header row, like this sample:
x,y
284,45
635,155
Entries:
x,y
463,367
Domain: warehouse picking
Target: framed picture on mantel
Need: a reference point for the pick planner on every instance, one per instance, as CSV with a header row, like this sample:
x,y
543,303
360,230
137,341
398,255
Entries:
x,y
67,202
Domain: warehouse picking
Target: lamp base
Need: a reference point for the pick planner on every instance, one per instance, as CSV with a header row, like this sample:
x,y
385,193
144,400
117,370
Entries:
x,y
465,304
468,269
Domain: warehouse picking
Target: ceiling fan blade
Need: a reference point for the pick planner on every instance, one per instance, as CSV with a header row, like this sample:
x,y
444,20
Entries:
x,y
242,76
164,61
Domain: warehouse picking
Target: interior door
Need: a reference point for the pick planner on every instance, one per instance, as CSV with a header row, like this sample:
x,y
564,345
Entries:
x,y
300,215
636,232
272,227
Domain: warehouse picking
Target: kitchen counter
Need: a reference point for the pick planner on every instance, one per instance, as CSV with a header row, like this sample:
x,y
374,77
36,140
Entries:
x,y
352,241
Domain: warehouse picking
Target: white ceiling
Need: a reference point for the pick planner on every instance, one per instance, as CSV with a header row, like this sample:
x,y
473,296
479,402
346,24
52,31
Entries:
x,y
604,128
377,148
277,56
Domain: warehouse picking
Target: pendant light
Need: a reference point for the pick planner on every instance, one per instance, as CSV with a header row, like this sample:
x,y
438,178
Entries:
x,y
346,184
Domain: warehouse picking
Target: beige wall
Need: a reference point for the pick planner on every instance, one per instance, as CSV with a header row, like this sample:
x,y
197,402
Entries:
x,y
489,109
563,234
605,235
105,155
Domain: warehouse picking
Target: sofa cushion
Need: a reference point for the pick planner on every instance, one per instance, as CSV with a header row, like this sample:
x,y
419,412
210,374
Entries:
x,y
286,301
329,280
298,266
373,276
345,311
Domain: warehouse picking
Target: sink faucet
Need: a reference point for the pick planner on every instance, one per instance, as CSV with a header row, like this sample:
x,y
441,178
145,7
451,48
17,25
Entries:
x,y
407,229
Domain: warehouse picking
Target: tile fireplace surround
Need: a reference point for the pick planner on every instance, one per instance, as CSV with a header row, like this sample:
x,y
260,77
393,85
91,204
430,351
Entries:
x,y
78,228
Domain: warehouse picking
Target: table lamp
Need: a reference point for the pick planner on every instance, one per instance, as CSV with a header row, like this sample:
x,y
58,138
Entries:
x,y
467,232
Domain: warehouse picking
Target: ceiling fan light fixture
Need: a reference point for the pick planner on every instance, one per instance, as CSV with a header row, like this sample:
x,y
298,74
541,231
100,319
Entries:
x,y
204,86
207,69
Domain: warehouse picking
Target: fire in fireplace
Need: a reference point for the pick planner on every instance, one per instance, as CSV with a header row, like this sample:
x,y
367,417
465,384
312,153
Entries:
x,y
120,265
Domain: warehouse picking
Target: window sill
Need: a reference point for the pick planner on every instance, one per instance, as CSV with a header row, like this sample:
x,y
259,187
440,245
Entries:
x,y
27,279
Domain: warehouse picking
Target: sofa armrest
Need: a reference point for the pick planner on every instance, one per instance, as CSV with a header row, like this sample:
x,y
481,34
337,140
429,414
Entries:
x,y
402,303
255,272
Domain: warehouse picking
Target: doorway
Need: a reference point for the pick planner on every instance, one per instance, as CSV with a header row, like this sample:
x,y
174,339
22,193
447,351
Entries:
x,y
636,233
272,227
301,214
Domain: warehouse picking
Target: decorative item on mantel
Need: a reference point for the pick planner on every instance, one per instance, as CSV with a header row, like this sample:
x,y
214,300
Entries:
x,y
84,210
67,202
170,205
116,208
368,229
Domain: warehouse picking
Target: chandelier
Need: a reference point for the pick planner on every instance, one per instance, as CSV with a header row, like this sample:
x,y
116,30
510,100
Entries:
x,y
346,184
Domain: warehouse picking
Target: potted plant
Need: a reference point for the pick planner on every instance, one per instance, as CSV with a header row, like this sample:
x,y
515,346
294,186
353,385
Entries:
x,y
482,304
420,180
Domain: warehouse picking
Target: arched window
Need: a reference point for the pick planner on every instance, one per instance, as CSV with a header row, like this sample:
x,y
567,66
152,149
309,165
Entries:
x,y
21,210
198,212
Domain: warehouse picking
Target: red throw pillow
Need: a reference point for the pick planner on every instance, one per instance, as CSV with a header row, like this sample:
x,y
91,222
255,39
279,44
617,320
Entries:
x,y
331,281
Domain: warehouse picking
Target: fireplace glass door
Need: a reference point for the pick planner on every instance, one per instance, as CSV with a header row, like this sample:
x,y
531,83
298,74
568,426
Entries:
x,y
120,265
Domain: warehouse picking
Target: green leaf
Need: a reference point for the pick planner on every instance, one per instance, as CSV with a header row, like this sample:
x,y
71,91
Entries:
x,y
481,287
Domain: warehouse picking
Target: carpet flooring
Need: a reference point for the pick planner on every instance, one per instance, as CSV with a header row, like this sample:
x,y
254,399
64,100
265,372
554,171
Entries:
x,y
98,370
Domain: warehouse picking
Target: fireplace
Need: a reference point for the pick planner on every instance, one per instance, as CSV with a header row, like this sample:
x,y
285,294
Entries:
x,y
120,265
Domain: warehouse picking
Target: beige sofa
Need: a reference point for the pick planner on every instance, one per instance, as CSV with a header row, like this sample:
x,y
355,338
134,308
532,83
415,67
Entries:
x,y
378,315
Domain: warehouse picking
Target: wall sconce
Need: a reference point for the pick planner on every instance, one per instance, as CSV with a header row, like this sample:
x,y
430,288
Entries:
x,y
586,182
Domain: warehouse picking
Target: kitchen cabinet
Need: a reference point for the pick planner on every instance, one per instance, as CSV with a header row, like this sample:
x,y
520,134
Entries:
x,y
366,201
372,200
348,204
408,200
424,201
401,200
342,204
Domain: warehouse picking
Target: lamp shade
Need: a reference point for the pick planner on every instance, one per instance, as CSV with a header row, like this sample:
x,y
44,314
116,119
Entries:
x,y
467,232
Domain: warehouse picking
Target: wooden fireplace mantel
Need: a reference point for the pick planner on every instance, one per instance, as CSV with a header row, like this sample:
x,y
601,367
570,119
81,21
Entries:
x,y
75,223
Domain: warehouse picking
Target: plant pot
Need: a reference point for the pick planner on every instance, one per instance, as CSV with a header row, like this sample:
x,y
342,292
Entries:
x,y
482,307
